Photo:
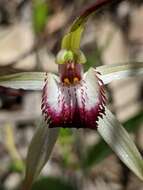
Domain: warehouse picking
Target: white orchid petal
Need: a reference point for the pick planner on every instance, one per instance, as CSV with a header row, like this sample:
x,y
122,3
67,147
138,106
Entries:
x,y
39,152
131,66
120,142
34,80
52,98
114,72
120,75
52,91
91,88
24,80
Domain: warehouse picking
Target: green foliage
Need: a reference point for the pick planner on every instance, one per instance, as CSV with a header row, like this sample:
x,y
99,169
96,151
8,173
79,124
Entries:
x,y
40,14
52,183
65,133
66,140
93,59
17,166
1,187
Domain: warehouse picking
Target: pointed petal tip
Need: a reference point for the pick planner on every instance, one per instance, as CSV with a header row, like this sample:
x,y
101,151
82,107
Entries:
x,y
120,142
39,152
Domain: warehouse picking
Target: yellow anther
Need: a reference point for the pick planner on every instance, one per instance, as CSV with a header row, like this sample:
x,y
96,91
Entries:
x,y
66,81
76,80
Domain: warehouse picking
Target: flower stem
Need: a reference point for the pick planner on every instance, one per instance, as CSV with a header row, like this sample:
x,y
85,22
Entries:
x,y
27,184
88,11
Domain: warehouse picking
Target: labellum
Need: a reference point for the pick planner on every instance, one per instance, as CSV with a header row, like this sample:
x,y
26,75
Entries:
x,y
74,99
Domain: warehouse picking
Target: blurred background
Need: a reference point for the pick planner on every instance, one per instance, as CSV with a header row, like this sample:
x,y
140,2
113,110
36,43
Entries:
x,y
30,37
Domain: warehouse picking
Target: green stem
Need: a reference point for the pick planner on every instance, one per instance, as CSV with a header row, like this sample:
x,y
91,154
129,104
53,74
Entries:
x,y
87,12
27,185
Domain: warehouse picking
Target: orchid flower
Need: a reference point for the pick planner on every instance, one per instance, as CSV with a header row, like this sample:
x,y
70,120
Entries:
x,y
76,99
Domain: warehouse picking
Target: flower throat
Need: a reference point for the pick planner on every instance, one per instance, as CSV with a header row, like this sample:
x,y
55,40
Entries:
x,y
70,66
